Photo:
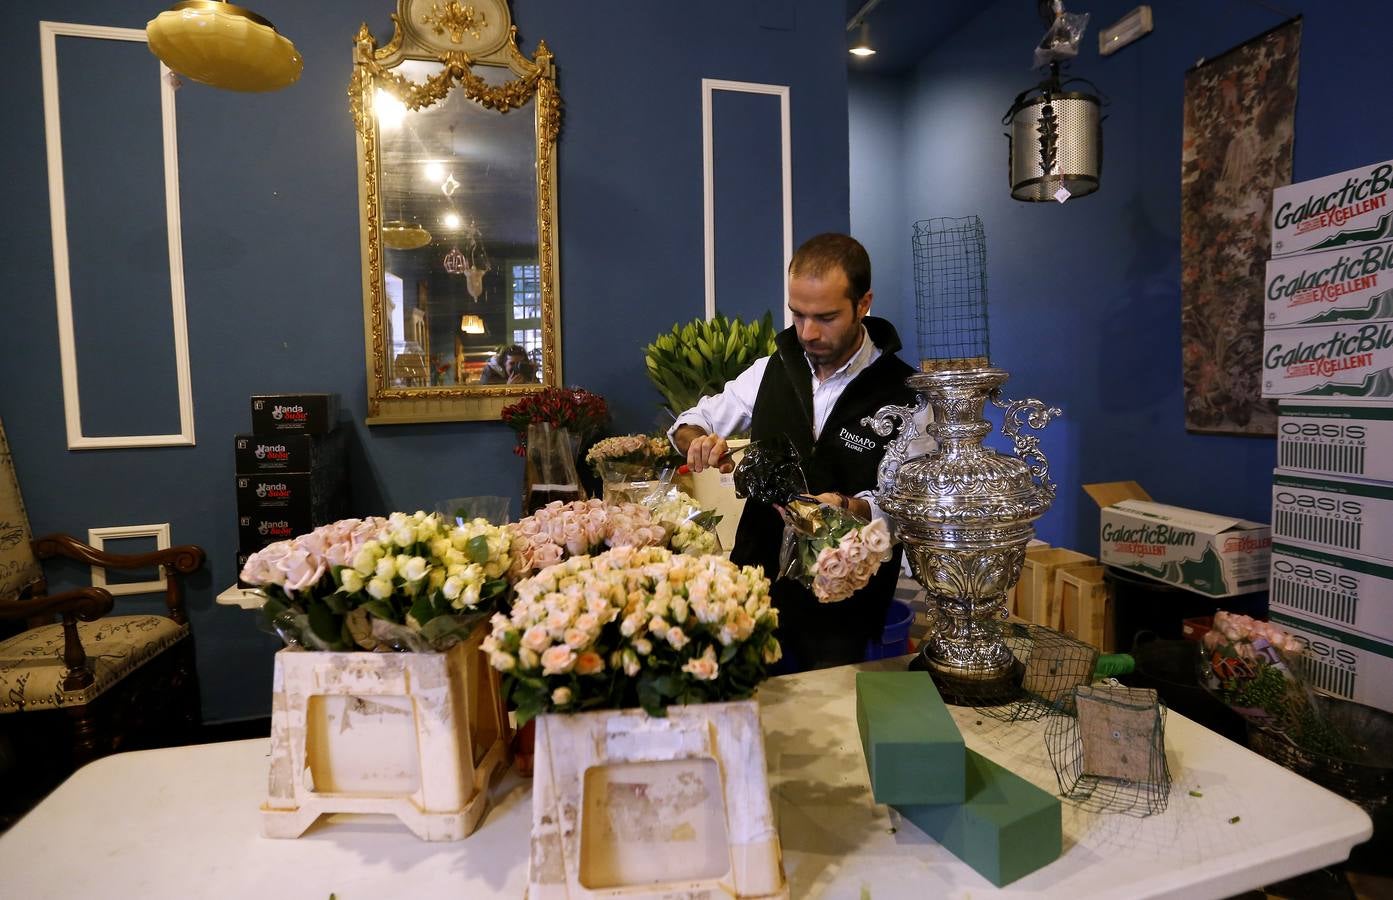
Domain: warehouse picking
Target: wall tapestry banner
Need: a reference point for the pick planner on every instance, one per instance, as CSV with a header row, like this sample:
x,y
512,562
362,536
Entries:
x,y
1239,113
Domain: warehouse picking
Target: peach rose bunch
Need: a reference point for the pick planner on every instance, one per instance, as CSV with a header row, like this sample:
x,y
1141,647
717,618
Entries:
x,y
560,530
634,626
832,552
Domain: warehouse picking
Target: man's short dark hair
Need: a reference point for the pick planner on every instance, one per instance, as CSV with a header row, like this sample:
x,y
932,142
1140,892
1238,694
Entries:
x,y
819,255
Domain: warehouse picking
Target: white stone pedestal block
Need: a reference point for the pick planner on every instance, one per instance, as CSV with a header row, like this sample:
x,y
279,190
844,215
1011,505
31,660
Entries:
x,y
627,805
416,735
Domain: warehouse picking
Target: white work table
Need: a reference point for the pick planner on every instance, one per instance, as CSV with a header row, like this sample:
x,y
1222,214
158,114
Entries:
x,y
184,822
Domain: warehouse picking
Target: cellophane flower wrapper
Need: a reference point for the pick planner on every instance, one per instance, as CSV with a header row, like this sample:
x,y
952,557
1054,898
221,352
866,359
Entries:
x,y
634,626
692,529
1248,664
770,472
401,583
831,551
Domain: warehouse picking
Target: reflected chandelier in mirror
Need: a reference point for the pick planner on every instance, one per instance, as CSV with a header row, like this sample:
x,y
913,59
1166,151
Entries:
x,y
457,193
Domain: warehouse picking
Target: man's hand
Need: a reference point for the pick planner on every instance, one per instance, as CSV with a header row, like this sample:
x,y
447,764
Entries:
x,y
854,505
704,450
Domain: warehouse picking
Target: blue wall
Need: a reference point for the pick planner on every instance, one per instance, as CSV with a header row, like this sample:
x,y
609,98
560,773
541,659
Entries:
x,y
270,240
1085,297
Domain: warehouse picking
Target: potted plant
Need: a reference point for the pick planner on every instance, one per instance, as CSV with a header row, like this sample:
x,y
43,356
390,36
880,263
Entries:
x,y
383,619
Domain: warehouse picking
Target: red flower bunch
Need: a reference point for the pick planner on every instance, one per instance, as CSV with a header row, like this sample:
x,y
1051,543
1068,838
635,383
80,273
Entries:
x,y
575,409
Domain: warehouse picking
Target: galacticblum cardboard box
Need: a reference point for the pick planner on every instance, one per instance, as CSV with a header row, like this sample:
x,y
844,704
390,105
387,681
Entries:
x,y
1353,666
1337,514
1218,556
1335,211
306,413
1338,589
1344,363
1349,284
1345,441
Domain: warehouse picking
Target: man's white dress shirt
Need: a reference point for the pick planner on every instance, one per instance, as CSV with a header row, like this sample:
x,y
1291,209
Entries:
x,y
730,411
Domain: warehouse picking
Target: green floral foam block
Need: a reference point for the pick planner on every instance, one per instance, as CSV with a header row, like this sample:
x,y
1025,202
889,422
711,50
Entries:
x,y
913,749
1006,829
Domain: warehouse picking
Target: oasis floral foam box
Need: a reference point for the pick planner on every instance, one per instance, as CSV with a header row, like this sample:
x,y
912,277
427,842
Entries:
x,y
1348,363
1341,590
1339,514
1349,284
1218,556
1353,666
1335,211
1346,441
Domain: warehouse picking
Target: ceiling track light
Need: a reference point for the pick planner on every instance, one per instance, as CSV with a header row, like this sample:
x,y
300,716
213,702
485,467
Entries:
x,y
863,47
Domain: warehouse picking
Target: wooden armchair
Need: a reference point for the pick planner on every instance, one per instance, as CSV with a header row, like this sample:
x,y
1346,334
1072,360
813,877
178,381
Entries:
x,y
121,681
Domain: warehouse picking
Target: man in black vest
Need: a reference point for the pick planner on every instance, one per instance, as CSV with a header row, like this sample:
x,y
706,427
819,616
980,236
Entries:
x,y
833,367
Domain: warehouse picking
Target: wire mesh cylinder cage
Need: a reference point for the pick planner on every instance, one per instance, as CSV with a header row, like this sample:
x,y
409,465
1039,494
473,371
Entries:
x,y
950,293
1055,141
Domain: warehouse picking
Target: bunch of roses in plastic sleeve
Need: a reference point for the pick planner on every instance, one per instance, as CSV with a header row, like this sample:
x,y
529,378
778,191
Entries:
x,y
575,409
831,551
693,528
634,626
560,530
405,582
1253,666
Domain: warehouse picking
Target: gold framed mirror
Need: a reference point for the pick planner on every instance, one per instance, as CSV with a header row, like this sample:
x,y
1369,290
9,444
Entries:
x,y
456,133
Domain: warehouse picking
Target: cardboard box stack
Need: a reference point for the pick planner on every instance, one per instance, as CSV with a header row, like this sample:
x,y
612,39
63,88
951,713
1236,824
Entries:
x,y
1328,359
292,470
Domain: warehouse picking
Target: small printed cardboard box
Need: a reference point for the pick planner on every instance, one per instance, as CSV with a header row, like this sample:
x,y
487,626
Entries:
x,y
1346,441
1217,556
1341,590
1348,363
304,413
291,452
1336,514
1335,211
1352,666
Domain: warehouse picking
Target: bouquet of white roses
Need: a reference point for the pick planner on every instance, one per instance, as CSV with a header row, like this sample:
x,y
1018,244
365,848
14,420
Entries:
x,y
829,550
399,583
634,627
693,529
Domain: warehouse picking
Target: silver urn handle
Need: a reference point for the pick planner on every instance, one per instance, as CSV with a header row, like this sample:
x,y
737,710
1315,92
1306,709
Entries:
x,y
896,451
1020,413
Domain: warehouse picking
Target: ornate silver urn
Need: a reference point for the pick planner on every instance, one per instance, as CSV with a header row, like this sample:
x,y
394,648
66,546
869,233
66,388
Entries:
x,y
964,513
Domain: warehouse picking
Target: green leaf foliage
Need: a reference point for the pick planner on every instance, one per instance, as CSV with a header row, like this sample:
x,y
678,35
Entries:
x,y
696,359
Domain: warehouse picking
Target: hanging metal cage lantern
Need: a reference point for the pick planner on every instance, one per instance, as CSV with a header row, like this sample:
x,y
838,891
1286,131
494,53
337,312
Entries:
x,y
1055,143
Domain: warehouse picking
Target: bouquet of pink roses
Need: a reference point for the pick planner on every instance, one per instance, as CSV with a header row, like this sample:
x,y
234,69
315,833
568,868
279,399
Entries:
x,y
831,551
1255,668
559,530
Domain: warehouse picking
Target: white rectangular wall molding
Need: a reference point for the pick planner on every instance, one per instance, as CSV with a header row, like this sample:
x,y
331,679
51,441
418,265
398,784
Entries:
x,y
48,54
708,87
98,537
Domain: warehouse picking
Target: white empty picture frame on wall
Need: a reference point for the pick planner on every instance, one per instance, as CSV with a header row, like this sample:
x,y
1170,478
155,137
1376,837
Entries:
x,y
708,187
67,348
98,537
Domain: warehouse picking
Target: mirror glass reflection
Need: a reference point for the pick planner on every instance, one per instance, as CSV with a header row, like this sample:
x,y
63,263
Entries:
x,y
458,205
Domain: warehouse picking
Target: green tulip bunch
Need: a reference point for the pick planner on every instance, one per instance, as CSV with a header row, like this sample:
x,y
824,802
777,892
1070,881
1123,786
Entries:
x,y
696,360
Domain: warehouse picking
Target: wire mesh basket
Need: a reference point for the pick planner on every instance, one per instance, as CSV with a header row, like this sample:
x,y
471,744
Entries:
x,y
1111,756
950,293
1049,666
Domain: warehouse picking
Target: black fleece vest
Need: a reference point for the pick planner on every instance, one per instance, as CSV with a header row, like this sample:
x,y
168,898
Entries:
x,y
844,459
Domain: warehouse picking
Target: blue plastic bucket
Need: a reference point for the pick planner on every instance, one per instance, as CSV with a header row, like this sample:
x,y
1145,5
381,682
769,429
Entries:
x,y
894,640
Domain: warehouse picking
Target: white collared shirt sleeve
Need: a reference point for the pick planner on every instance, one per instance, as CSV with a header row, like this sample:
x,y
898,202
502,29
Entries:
x,y
730,410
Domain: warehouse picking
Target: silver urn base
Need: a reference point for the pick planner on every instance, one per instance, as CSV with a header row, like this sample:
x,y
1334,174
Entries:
x,y
965,513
